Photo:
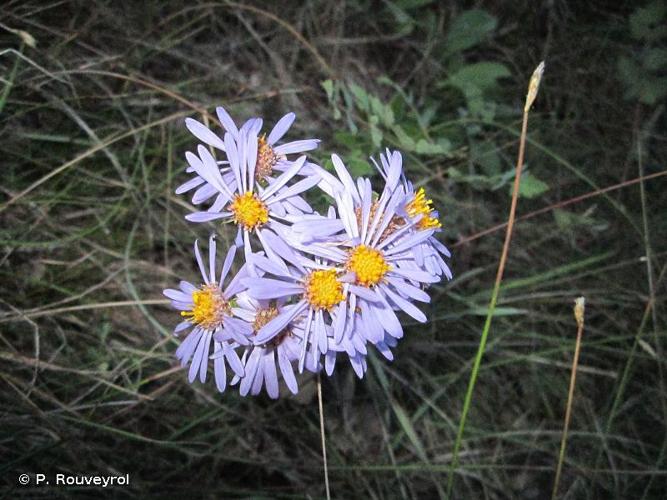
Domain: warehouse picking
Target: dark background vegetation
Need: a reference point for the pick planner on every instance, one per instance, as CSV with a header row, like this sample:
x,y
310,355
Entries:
x,y
92,148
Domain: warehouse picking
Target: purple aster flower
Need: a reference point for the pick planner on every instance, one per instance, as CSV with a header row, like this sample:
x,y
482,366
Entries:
x,y
429,253
207,310
319,300
352,345
373,243
205,190
270,156
252,207
260,358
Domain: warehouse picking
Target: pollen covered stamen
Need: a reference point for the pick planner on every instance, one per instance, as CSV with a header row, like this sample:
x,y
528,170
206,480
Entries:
x,y
262,317
368,264
395,223
323,289
420,205
266,158
249,211
208,307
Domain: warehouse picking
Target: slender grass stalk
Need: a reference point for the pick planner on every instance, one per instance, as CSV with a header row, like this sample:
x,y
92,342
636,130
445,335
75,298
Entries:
x,y
579,316
324,441
647,236
651,289
625,377
108,141
10,82
530,98
83,307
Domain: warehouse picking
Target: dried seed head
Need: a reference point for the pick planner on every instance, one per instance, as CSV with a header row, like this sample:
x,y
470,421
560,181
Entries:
x,y
579,308
534,86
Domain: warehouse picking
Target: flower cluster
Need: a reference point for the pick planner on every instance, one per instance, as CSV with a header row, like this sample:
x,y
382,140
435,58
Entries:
x,y
312,286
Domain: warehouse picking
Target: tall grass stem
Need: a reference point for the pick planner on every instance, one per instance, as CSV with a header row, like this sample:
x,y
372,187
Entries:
x,y
579,316
322,435
530,98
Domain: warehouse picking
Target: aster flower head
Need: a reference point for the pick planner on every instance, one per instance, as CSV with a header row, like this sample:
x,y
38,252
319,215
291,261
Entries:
x,y
322,286
371,239
252,207
206,310
430,254
318,301
270,156
260,358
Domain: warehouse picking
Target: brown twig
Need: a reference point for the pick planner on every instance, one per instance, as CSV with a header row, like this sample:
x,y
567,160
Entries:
x,y
560,204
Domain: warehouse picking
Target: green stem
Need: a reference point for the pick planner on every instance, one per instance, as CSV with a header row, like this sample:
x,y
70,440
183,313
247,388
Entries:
x,y
10,81
530,97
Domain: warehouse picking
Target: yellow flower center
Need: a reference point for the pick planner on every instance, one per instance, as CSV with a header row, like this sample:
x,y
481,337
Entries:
x,y
249,210
209,307
323,290
262,317
368,264
422,205
266,158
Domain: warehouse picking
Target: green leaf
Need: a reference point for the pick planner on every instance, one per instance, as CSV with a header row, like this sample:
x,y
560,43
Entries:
x,y
565,220
655,59
404,21
481,76
357,165
648,23
473,80
349,107
347,139
328,87
502,179
628,72
383,111
652,89
429,148
412,4
376,133
409,429
531,186
404,140
481,182
469,29
332,95
639,83
485,154
569,222
360,96
355,162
